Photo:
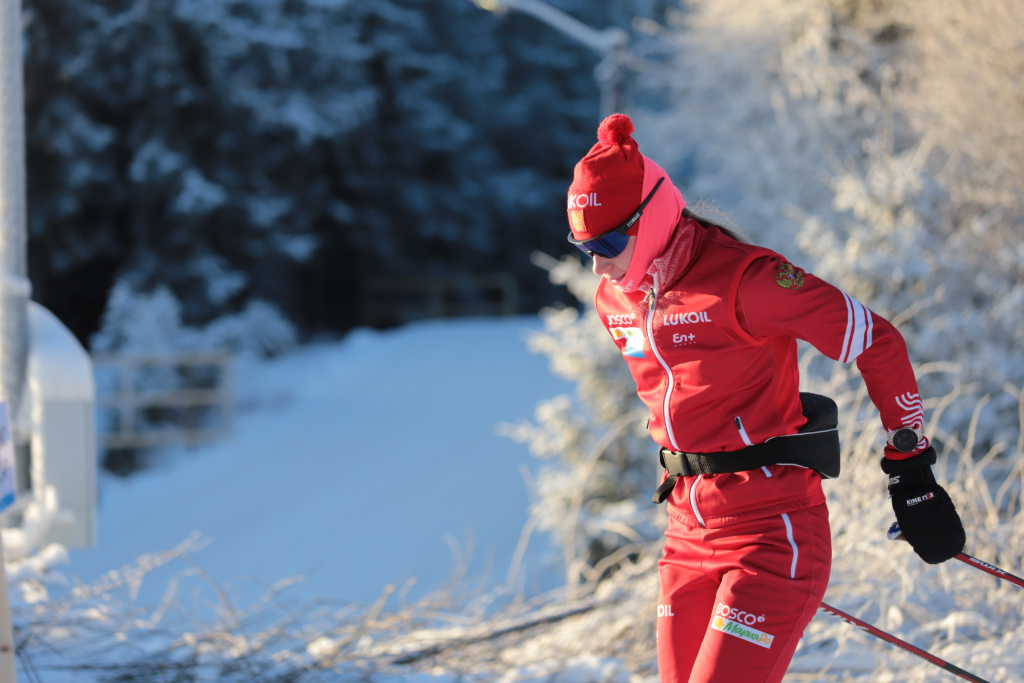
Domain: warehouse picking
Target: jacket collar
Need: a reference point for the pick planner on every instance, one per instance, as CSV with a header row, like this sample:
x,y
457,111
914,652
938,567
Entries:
x,y
677,257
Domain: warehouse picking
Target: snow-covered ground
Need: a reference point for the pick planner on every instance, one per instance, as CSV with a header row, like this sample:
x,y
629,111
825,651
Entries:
x,y
353,464
364,462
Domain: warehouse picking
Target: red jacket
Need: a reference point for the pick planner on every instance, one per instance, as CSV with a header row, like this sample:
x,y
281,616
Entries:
x,y
711,344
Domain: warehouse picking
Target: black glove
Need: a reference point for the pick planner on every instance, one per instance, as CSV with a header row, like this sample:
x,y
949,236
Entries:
x,y
923,509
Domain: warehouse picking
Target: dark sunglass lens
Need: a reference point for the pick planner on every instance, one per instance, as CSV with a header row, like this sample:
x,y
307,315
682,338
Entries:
x,y
608,245
602,250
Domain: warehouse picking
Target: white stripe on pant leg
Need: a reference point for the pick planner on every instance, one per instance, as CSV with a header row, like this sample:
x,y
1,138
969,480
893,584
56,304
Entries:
x,y
792,543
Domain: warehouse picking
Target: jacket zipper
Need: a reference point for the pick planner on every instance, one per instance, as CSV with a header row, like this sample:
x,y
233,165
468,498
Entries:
x,y
748,442
743,432
653,296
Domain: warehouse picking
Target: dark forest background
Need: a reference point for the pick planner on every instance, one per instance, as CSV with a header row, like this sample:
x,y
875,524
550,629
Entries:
x,y
296,151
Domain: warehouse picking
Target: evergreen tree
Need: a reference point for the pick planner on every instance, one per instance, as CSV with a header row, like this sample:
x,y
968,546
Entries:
x,y
293,150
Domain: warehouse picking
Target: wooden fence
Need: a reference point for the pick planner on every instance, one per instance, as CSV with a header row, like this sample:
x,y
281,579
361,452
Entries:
x,y
159,399
400,299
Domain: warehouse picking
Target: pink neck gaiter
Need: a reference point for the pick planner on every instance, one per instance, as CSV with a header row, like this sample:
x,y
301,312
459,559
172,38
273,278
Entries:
x,y
656,226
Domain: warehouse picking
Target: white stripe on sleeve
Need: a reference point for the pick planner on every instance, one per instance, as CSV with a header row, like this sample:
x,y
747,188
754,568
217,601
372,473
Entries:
x,y
859,329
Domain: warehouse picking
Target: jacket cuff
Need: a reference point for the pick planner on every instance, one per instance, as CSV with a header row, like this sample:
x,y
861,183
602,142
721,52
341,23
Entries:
x,y
925,458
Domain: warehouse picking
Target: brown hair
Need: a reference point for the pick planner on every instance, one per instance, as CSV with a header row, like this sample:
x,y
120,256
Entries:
x,y
708,223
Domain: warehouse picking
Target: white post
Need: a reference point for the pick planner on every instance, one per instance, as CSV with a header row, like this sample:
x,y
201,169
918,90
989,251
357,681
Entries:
x,y
7,671
14,285
8,484
62,394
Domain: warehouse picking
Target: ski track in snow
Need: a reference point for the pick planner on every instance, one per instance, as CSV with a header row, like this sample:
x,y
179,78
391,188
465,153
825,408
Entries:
x,y
355,464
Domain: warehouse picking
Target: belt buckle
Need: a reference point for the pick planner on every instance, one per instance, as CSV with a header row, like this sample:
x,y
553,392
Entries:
x,y
676,463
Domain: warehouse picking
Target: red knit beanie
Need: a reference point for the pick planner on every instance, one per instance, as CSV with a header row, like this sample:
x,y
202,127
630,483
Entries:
x,y
608,182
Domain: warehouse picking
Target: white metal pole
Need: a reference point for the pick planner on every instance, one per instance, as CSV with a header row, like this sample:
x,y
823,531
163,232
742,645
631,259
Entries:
x,y
14,285
15,288
7,653
610,43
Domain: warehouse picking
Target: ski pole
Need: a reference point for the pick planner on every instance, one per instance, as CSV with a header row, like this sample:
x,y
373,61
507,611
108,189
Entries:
x,y
896,534
889,638
990,568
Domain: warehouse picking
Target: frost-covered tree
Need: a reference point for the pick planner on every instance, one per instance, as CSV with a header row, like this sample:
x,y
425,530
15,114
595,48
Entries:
x,y
871,140
293,150
176,143
593,491
825,129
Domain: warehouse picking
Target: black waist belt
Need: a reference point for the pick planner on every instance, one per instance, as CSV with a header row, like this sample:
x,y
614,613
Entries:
x,y
816,446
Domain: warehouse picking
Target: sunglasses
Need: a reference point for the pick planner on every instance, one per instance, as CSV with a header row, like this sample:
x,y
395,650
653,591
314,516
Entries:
x,y
612,243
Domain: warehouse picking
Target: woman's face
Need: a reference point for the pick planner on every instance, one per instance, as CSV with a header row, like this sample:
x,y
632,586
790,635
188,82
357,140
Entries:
x,y
614,269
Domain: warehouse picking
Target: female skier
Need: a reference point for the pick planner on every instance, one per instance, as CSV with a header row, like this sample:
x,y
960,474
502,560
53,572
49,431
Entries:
x,y
707,324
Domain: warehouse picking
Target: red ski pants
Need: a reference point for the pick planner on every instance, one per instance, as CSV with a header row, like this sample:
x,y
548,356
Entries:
x,y
735,600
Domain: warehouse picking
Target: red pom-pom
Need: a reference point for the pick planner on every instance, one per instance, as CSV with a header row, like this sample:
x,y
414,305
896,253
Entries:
x,y
615,129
